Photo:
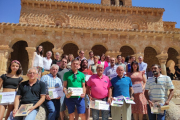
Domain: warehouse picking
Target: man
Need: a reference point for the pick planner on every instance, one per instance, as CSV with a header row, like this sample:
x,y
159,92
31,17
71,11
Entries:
x,y
57,60
99,89
52,81
63,69
142,65
119,62
75,78
81,55
33,92
84,69
110,71
108,60
121,85
47,61
156,90
91,58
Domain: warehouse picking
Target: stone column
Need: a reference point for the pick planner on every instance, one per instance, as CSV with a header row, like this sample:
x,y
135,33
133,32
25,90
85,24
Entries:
x,y
59,50
4,54
178,57
113,53
117,2
162,60
30,51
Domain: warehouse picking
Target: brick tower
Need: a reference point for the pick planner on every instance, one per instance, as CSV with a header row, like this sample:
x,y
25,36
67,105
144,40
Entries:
x,y
117,2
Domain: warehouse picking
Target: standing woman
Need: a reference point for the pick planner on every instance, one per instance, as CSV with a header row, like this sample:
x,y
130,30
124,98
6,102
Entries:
x,y
37,61
138,77
70,58
103,62
94,66
10,82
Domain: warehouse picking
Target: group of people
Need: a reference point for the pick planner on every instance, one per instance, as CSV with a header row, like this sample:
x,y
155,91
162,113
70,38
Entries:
x,y
110,77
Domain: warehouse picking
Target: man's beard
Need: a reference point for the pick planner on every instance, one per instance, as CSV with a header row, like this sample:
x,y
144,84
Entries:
x,y
84,66
155,72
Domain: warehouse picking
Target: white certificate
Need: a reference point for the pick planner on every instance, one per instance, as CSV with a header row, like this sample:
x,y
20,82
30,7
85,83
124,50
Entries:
x,y
7,97
55,92
137,88
118,100
99,105
76,91
87,77
128,100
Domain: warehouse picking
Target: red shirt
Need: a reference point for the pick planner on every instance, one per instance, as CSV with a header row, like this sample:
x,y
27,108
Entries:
x,y
87,72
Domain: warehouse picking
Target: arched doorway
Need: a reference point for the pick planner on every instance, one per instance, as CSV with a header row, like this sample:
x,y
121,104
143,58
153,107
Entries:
x,y
19,53
71,48
150,56
126,51
47,46
98,50
172,60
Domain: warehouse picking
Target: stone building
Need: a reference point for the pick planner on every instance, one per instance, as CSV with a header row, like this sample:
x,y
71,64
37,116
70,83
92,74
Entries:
x,y
113,27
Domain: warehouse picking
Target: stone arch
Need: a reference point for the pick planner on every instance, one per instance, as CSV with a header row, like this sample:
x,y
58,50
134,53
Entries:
x,y
47,46
170,65
156,48
67,42
172,54
150,56
12,42
126,51
70,48
19,53
99,49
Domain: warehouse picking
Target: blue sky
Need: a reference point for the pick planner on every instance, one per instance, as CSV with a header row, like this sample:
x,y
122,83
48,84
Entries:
x,y
10,9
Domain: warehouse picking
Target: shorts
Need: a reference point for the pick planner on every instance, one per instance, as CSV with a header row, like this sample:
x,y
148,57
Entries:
x,y
78,102
62,104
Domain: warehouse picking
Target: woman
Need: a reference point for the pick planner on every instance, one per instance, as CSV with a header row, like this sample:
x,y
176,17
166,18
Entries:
x,y
38,60
128,66
70,58
102,61
10,82
137,77
123,60
94,66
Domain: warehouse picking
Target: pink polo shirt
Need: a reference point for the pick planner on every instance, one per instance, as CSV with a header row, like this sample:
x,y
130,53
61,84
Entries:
x,y
99,86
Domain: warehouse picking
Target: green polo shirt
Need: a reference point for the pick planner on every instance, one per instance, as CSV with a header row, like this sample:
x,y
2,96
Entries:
x,y
72,82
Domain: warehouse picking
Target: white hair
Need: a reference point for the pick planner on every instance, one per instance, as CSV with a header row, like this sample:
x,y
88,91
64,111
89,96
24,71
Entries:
x,y
54,65
140,57
33,68
50,52
57,53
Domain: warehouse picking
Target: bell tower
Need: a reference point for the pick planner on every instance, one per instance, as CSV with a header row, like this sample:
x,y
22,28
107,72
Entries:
x,y
117,2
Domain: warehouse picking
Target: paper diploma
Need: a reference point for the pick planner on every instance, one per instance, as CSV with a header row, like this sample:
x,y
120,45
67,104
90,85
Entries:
x,y
23,110
7,97
87,77
137,88
76,91
99,105
128,100
118,100
55,92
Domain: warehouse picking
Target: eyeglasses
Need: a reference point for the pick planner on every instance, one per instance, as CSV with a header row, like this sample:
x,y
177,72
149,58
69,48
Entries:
x,y
75,77
156,80
32,73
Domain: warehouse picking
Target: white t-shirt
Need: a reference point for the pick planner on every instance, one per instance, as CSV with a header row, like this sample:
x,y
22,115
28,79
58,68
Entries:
x,y
38,60
47,63
90,62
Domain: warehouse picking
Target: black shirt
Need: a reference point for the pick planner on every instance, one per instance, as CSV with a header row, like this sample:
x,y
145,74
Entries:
x,y
9,82
56,62
31,94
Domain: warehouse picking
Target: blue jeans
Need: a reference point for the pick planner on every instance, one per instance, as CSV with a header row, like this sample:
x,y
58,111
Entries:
x,y
62,103
95,114
53,107
30,116
153,116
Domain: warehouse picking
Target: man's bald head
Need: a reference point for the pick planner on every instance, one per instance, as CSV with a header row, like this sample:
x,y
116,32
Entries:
x,y
120,71
112,61
100,69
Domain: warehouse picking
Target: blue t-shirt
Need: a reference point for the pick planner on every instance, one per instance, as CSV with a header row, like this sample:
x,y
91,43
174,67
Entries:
x,y
121,86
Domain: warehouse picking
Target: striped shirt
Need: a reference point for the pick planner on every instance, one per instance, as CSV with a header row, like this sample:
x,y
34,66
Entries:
x,y
51,82
159,91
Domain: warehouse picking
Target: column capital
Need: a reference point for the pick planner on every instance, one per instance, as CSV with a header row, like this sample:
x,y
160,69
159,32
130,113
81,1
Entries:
x,y
162,58
113,53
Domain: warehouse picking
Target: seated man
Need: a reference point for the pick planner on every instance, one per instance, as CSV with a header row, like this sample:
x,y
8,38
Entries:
x,y
52,81
31,91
